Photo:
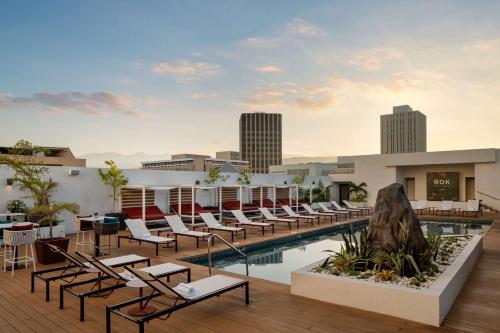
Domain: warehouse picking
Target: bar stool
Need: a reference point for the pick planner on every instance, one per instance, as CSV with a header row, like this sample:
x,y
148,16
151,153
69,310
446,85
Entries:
x,y
15,239
109,227
84,228
3,248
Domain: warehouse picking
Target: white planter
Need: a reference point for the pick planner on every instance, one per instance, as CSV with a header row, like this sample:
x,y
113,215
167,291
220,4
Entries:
x,y
428,306
57,231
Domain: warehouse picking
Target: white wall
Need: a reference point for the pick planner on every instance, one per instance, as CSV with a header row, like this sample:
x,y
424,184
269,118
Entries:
x,y
488,182
93,196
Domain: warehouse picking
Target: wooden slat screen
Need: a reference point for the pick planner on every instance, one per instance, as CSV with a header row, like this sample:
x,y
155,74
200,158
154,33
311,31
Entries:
x,y
256,193
185,193
133,198
282,193
229,194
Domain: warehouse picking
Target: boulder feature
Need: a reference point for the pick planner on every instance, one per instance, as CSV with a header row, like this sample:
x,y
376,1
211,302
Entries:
x,y
393,211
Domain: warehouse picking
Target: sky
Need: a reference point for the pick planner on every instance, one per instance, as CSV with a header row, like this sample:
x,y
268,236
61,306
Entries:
x,y
165,77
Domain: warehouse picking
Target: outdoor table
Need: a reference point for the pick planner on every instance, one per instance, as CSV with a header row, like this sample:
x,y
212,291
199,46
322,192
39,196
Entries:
x,y
142,309
8,226
97,238
9,216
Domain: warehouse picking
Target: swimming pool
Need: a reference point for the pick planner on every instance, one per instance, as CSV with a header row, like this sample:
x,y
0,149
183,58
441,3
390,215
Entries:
x,y
275,259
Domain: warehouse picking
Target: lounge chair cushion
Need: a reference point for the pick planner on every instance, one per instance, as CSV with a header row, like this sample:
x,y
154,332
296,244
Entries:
x,y
208,286
152,213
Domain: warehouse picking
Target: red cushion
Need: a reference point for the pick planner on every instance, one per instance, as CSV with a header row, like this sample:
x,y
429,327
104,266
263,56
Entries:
x,y
152,213
231,205
268,203
22,227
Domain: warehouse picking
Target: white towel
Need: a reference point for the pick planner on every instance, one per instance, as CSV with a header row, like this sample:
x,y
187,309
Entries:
x,y
186,290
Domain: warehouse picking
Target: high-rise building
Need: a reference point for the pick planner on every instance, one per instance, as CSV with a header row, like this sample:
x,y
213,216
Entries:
x,y
403,131
260,140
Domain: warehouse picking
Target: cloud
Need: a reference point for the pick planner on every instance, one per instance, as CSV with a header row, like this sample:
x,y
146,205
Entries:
x,y
202,95
260,42
269,69
99,103
484,46
373,59
300,27
289,96
185,70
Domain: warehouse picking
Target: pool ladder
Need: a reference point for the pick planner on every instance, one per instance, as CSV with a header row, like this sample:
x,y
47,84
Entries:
x,y
228,244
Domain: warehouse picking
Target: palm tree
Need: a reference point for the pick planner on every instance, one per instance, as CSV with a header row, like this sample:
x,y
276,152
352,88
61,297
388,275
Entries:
x,y
358,192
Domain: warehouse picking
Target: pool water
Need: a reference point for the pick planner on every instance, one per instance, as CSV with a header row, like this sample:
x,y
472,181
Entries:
x,y
275,260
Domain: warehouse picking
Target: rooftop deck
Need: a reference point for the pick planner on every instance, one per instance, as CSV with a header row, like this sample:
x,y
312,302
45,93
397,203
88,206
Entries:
x,y
272,308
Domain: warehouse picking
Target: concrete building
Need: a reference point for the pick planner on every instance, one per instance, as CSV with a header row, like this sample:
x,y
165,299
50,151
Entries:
x,y
403,131
261,140
59,156
304,169
457,175
194,162
228,155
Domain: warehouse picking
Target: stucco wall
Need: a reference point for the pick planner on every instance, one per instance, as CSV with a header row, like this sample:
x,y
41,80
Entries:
x,y
90,193
488,182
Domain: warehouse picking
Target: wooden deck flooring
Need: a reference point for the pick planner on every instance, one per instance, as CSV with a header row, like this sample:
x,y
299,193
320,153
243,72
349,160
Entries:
x,y
272,307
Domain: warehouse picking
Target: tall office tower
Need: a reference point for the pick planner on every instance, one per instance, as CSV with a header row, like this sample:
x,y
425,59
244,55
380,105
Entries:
x,y
260,140
403,131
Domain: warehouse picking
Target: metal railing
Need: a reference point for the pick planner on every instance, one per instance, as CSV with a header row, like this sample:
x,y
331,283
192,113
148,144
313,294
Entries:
x,y
487,195
228,244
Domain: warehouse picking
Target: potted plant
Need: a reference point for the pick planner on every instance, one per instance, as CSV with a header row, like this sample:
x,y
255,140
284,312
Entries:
x,y
31,177
114,178
358,193
319,192
17,206
213,177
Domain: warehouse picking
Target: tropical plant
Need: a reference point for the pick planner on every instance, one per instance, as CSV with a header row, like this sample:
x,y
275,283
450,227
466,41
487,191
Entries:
x,y
113,177
17,206
319,192
214,176
357,193
33,178
244,178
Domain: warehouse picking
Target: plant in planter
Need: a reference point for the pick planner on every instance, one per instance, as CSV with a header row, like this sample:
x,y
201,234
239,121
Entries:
x,y
244,178
213,177
319,192
357,193
31,177
114,178
17,206
299,180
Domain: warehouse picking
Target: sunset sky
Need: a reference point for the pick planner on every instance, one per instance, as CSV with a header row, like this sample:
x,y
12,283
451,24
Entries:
x,y
173,76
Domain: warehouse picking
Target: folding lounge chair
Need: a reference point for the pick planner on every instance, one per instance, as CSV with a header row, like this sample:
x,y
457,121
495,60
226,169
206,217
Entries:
x,y
311,211
472,208
140,233
289,211
213,224
368,210
120,280
76,267
243,220
271,218
325,209
181,296
180,229
421,207
340,208
446,206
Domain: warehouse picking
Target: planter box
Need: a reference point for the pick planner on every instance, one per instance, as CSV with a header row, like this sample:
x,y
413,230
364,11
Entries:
x,y
428,306
57,231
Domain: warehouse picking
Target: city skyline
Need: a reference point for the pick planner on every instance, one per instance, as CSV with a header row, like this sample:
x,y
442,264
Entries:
x,y
130,77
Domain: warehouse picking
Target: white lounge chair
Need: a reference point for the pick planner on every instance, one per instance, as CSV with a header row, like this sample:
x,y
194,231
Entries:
x,y
139,232
271,218
471,208
289,211
349,205
340,208
243,220
213,224
180,229
120,279
179,297
325,209
446,206
421,207
311,211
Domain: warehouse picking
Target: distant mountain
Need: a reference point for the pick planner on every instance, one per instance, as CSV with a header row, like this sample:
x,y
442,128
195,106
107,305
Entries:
x,y
132,161
294,159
